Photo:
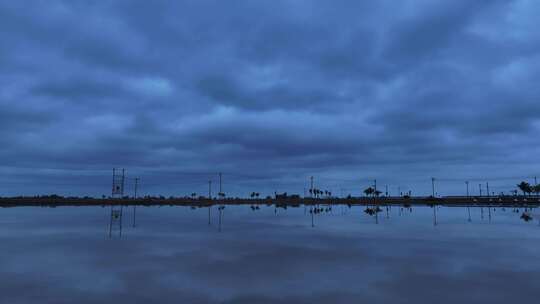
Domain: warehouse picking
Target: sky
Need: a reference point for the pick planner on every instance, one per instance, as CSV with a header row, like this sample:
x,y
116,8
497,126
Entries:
x,y
269,93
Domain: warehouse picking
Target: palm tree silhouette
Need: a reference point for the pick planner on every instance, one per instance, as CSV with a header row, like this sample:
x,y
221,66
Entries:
x,y
369,191
525,187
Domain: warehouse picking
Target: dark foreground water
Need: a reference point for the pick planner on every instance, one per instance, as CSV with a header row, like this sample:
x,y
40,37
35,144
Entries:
x,y
65,255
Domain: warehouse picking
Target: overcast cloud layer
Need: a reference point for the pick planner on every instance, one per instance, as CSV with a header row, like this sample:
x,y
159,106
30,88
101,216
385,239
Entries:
x,y
268,92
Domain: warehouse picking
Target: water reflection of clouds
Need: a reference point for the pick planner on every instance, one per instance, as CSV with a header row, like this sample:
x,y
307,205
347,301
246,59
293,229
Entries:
x,y
174,256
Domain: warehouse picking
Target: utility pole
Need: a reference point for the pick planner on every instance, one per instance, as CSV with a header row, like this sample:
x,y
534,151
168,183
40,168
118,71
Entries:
x,y
487,188
434,205
117,193
375,203
118,184
113,183
467,183
480,188
386,191
220,185
311,192
123,180
535,184
210,198
136,186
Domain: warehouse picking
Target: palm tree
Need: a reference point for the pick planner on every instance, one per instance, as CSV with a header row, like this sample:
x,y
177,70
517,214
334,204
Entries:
x,y
525,187
369,191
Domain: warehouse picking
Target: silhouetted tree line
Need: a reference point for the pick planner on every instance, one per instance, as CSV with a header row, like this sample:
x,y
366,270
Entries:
x,y
317,193
527,189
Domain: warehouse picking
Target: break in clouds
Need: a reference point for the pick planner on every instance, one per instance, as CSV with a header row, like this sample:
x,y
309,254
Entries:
x,y
269,93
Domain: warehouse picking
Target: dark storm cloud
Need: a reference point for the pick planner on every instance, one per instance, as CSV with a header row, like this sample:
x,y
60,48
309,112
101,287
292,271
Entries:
x,y
224,91
78,89
13,118
276,91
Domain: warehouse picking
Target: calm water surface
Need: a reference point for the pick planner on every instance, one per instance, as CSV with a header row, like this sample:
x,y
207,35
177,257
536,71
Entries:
x,y
65,255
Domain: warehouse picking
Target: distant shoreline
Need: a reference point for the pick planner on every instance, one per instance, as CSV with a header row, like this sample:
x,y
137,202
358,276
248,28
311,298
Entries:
x,y
507,201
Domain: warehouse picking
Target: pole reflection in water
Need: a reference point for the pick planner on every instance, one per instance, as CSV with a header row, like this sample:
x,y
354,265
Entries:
x,y
221,209
311,211
434,214
134,214
116,215
115,224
